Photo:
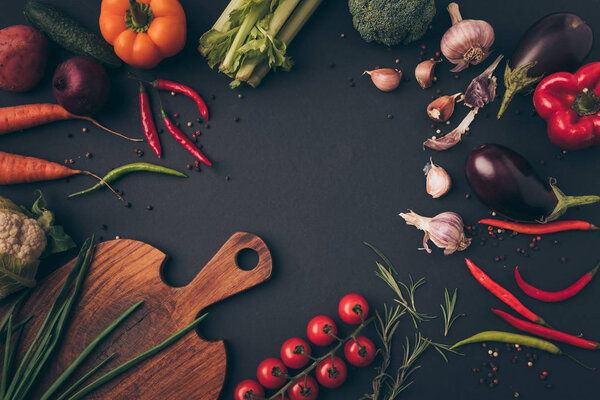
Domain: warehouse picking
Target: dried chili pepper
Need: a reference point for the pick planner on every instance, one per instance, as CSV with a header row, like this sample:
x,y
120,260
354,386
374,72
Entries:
x,y
547,333
560,295
183,139
503,294
540,229
148,122
163,84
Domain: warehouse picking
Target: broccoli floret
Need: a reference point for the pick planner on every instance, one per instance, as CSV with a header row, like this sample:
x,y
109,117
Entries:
x,y
391,22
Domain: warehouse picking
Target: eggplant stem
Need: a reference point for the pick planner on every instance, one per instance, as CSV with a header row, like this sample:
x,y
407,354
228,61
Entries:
x,y
516,81
564,202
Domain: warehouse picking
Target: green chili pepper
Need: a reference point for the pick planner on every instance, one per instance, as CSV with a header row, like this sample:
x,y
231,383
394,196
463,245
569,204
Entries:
x,y
127,169
507,337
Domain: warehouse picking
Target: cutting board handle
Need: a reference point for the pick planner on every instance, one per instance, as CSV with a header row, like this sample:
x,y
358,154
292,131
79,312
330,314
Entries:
x,y
222,278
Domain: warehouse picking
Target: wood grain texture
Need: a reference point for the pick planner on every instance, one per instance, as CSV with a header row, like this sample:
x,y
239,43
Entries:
x,y
124,272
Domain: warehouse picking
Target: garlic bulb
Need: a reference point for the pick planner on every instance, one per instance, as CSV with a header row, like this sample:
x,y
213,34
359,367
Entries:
x,y
466,41
442,108
385,79
445,230
424,72
437,181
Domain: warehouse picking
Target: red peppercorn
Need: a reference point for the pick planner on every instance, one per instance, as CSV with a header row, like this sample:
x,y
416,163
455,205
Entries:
x,y
176,115
437,53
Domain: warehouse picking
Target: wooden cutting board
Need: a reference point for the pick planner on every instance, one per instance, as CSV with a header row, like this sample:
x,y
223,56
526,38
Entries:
x,y
124,272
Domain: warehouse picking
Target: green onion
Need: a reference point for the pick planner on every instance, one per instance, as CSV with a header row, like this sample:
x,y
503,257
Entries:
x,y
86,352
135,361
86,377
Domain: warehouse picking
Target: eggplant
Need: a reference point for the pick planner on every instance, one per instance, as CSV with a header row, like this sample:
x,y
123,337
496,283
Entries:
x,y
557,42
507,183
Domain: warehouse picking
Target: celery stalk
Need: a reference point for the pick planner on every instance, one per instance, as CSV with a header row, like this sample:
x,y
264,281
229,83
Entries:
x,y
251,19
280,16
289,31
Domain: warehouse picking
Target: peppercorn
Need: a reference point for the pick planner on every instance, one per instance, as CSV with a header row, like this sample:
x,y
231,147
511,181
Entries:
x,y
240,96
149,207
89,155
235,119
84,130
189,123
390,116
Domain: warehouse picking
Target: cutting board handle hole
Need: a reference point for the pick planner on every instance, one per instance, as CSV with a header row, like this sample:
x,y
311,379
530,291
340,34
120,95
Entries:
x,y
246,259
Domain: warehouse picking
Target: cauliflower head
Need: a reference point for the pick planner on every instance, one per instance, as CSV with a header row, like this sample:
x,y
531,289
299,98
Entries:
x,y
391,22
21,236
25,237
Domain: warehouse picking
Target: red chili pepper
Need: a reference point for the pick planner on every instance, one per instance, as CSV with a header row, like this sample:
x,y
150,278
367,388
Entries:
x,y
547,333
561,295
570,103
183,139
503,294
540,229
148,122
163,84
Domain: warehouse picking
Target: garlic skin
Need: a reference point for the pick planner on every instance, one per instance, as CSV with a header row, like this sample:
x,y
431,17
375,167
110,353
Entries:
x,y
445,230
424,72
467,41
442,108
385,79
437,181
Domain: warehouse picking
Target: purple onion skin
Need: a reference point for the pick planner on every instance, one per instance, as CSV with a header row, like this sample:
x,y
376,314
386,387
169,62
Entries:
x,y
81,85
558,42
506,182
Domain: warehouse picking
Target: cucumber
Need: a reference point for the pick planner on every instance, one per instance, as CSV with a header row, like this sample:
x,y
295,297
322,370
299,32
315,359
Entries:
x,y
69,33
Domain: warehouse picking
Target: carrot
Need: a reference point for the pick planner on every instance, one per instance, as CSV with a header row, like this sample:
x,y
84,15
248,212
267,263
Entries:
x,y
27,116
21,169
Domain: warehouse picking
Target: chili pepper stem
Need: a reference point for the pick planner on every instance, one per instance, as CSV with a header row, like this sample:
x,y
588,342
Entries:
x,y
137,16
579,362
107,185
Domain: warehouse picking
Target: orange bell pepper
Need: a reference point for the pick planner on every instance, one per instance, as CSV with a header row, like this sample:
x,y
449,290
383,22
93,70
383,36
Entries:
x,y
143,32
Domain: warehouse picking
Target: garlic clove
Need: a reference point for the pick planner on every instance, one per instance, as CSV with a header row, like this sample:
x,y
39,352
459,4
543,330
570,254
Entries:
x,y
466,41
424,72
452,138
385,79
437,181
442,108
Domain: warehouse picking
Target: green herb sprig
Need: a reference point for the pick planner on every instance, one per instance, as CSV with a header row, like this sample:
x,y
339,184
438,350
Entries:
x,y
448,310
387,275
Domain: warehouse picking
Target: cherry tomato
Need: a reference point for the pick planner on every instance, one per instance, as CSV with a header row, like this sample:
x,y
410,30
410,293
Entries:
x,y
361,354
305,388
291,353
353,309
248,387
321,330
332,373
271,373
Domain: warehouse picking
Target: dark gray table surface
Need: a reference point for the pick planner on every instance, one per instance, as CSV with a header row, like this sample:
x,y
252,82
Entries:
x,y
315,169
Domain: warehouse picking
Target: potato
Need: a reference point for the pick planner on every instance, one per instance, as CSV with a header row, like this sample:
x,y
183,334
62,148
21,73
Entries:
x,y
23,57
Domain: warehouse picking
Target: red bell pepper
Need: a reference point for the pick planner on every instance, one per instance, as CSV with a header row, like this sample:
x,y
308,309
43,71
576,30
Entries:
x,y
570,103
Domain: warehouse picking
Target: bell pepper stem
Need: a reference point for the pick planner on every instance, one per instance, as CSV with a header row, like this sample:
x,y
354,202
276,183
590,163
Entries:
x,y
586,103
564,202
516,81
137,16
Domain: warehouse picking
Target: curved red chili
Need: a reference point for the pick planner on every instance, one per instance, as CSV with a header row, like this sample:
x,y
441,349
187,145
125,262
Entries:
x,y
503,294
163,84
148,122
183,140
560,295
547,333
540,229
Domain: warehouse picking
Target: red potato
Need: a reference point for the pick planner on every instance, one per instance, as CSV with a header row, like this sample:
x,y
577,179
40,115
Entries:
x,y
23,57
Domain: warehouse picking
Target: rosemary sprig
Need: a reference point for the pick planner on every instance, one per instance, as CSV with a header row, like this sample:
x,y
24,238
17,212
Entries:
x,y
408,305
386,327
386,273
448,310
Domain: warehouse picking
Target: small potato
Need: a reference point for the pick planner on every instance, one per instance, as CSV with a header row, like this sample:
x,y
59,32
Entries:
x,y
23,57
